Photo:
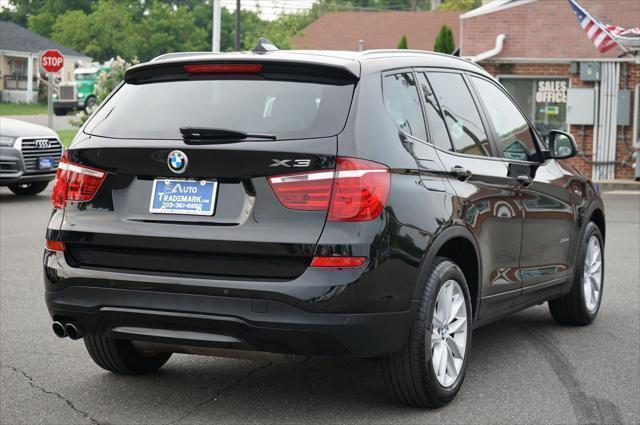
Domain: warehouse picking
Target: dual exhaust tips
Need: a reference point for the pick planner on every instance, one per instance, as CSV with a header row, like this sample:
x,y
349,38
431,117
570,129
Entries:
x,y
69,329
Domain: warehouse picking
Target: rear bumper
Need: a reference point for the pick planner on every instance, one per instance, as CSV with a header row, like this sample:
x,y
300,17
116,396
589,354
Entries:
x,y
231,323
319,313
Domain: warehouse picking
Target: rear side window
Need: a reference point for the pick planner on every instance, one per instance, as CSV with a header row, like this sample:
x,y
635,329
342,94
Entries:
x,y
515,140
286,109
461,115
438,134
402,101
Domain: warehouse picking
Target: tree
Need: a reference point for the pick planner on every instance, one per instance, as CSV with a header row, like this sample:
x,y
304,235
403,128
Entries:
x,y
403,43
108,31
104,29
42,14
170,29
460,5
444,41
378,4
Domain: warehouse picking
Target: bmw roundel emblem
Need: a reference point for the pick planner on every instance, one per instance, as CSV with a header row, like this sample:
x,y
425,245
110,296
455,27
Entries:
x,y
177,162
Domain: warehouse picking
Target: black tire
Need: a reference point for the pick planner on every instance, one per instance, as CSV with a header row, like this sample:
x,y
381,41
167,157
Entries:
x,y
121,357
59,111
28,189
408,374
90,104
571,309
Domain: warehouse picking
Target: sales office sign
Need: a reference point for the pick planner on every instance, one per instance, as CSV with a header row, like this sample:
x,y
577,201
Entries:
x,y
551,91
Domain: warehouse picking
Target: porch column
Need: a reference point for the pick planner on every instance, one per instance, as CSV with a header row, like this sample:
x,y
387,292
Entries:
x,y
29,79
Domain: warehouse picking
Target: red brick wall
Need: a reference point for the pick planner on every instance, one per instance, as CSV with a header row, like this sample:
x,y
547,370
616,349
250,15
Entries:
x,y
545,29
623,169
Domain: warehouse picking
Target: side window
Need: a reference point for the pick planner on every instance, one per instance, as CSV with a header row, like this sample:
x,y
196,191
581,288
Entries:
x,y
401,100
515,140
460,113
438,134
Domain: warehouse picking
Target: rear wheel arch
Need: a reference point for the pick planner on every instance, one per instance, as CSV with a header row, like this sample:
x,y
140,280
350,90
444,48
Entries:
x,y
597,216
459,245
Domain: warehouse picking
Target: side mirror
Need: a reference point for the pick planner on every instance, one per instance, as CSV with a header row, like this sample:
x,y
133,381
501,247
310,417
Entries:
x,y
562,145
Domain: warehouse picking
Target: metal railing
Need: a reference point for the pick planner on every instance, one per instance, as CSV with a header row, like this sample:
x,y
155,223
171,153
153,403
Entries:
x,y
17,82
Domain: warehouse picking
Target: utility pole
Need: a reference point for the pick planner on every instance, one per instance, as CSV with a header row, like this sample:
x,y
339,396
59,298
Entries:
x,y
237,25
215,29
414,5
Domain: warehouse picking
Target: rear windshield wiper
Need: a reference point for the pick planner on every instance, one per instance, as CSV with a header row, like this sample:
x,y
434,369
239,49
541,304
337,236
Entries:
x,y
206,135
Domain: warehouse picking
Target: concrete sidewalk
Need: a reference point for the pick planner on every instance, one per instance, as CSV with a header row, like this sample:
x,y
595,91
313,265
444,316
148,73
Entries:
x,y
624,185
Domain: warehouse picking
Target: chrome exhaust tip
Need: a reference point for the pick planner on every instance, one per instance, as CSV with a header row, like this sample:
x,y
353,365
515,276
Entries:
x,y
59,329
73,331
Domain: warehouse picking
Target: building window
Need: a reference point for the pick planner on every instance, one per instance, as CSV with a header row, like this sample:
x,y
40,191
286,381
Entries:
x,y
18,67
543,100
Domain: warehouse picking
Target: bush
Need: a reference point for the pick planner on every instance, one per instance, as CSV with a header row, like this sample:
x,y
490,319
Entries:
x,y
106,82
444,41
403,43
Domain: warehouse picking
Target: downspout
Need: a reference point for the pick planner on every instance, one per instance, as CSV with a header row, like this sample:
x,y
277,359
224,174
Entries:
x,y
490,53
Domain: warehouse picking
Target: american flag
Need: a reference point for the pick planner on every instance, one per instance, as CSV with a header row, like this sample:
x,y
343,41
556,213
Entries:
x,y
603,36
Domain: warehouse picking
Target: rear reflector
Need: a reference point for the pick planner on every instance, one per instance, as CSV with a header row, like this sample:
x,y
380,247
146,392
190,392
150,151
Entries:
x,y
75,182
54,245
356,191
223,68
338,261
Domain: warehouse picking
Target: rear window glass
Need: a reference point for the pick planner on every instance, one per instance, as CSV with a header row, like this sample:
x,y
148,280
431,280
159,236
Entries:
x,y
286,109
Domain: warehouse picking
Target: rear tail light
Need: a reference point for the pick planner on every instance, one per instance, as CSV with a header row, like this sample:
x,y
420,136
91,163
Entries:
x,y
75,182
338,261
307,191
360,190
356,191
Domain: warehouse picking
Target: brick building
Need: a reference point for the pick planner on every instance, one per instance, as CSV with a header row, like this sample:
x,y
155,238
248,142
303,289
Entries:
x,y
537,49
376,30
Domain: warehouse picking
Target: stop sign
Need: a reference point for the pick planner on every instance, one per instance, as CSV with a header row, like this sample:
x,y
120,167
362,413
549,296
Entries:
x,y
51,60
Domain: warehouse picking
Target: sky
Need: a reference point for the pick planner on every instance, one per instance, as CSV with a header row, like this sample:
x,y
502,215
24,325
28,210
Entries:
x,y
270,9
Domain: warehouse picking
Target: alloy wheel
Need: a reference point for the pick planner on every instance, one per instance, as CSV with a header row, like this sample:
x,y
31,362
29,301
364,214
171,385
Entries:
x,y
592,274
449,333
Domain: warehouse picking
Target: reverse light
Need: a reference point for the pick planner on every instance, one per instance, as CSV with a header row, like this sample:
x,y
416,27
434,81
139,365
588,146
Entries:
x,y
340,262
223,68
356,191
54,245
75,182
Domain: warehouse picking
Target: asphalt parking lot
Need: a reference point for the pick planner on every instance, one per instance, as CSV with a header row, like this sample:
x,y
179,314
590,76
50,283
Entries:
x,y
524,369
62,122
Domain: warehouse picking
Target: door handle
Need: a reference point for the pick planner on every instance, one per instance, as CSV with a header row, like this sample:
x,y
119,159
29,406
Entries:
x,y
461,173
524,180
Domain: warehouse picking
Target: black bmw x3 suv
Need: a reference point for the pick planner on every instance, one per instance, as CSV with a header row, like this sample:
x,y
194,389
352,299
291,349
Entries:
x,y
375,204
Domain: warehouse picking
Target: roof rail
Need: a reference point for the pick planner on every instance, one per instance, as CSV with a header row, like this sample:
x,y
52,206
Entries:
x,y
180,55
420,52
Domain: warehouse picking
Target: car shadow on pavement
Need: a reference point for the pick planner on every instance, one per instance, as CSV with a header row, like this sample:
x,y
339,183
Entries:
x,y
195,389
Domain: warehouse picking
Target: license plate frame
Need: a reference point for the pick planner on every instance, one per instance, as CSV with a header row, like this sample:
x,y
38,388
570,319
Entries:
x,y
178,197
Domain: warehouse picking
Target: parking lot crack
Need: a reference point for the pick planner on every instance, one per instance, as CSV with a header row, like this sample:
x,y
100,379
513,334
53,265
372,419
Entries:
x,y
219,392
68,402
